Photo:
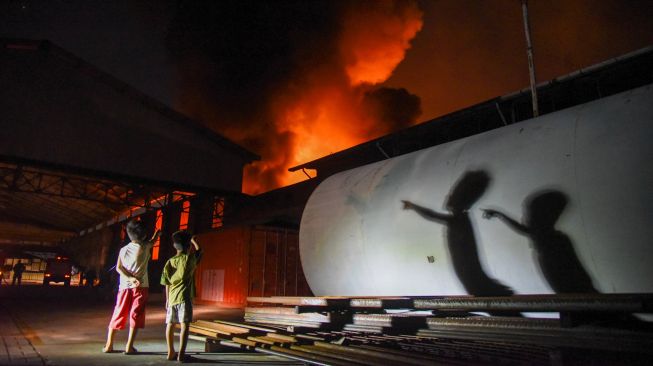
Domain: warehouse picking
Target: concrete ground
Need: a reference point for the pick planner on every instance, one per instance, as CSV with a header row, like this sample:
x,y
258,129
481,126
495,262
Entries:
x,y
61,326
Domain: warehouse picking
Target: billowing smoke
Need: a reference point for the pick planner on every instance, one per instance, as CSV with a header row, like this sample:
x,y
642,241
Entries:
x,y
293,80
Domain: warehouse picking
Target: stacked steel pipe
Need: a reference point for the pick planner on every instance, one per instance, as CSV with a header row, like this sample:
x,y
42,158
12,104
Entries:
x,y
428,331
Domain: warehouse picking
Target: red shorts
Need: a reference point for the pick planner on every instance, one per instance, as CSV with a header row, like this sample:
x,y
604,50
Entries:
x,y
130,304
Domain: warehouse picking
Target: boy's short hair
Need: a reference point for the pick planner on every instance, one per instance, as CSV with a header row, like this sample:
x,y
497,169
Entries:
x,y
181,239
136,231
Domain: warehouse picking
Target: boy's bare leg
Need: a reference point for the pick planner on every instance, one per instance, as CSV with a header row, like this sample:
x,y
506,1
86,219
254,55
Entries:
x,y
129,347
109,346
183,339
170,341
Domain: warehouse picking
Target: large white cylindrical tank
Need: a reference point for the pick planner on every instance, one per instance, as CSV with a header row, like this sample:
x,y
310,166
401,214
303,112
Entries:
x,y
577,185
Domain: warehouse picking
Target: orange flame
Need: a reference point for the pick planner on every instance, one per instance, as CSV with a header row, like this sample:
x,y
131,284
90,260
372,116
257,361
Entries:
x,y
325,114
325,97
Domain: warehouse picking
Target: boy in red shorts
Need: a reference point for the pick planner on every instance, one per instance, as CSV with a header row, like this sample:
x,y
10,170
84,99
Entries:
x,y
132,293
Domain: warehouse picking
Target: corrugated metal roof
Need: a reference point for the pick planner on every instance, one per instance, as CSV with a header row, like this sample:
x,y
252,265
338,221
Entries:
x,y
39,205
75,141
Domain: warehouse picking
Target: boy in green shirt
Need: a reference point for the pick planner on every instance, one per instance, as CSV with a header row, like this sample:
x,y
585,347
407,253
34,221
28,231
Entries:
x,y
179,279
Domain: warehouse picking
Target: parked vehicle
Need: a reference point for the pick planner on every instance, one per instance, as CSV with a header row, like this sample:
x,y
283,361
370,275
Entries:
x,y
58,269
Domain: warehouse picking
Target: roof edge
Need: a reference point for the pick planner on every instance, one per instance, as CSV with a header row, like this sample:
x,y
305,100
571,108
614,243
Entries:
x,y
47,46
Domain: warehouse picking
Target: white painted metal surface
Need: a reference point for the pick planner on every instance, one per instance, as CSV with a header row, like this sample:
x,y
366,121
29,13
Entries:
x,y
356,238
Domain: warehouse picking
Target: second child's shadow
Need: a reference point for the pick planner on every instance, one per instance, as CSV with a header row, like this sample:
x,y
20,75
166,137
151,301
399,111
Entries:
x,y
555,252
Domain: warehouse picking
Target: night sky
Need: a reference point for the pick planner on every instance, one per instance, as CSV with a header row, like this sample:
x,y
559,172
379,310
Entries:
x,y
296,80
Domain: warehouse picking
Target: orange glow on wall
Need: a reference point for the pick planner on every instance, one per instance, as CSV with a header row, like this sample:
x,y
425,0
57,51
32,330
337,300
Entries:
x,y
157,226
218,213
253,261
183,218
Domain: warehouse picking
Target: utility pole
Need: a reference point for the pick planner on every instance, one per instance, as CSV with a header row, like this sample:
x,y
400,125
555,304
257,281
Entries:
x,y
529,52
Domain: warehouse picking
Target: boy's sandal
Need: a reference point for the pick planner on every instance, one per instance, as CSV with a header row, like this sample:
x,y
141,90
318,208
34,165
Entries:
x,y
107,350
132,352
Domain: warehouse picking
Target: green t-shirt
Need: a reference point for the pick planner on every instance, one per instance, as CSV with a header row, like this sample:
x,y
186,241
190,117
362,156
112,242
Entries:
x,y
178,274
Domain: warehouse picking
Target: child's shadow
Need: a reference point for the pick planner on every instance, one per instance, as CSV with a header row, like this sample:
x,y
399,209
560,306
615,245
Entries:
x,y
556,256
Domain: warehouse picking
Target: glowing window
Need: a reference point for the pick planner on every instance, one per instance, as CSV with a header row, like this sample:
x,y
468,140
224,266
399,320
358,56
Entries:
x,y
185,212
157,243
218,213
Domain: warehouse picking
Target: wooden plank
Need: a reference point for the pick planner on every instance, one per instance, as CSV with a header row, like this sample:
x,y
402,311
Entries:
x,y
203,331
248,326
211,332
244,341
233,344
268,340
222,328
285,338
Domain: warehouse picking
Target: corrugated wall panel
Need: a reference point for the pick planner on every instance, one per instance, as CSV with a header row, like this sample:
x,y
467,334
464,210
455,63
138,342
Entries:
x,y
225,260
249,261
275,266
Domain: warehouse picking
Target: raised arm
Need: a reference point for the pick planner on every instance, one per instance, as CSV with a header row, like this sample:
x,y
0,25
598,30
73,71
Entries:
x,y
512,223
425,212
154,237
196,247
